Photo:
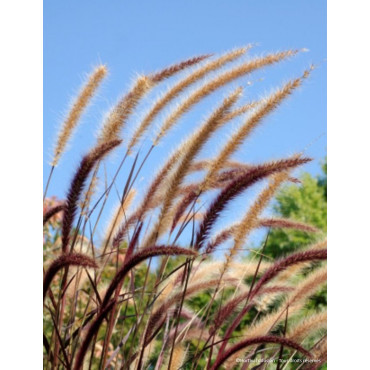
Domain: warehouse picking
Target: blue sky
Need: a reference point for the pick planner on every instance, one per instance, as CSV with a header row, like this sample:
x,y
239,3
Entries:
x,y
143,36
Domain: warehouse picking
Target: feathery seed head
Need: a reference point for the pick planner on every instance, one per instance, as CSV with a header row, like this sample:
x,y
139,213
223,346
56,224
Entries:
x,y
239,184
178,88
119,115
78,182
266,107
190,149
216,83
303,328
171,70
72,259
248,223
75,113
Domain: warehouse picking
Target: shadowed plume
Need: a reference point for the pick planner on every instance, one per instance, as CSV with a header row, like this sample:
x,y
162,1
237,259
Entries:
x,y
236,187
73,259
77,185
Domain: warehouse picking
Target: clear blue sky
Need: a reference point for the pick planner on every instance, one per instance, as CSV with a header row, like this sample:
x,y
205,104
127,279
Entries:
x,y
142,36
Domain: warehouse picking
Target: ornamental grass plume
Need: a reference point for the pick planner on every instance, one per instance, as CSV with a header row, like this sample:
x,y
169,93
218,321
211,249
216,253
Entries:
x,y
266,107
175,68
249,221
296,269
204,164
179,87
150,287
154,197
304,328
117,117
72,259
77,185
281,265
179,356
52,212
148,203
281,223
236,187
284,223
217,82
191,149
79,105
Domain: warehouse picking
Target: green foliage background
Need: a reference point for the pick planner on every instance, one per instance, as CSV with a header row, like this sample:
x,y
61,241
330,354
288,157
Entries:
x,y
306,203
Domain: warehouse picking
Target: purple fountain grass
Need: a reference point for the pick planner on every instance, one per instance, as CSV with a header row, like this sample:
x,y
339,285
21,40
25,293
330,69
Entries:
x,y
192,191
77,185
52,212
204,164
310,255
259,340
107,303
139,309
140,257
236,187
283,223
79,106
175,68
73,259
178,88
190,149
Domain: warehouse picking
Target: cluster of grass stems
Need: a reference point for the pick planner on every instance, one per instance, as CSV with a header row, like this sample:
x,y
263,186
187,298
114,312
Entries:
x,y
131,302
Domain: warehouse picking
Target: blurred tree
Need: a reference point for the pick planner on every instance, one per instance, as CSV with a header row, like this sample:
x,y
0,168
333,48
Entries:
x,y
306,203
